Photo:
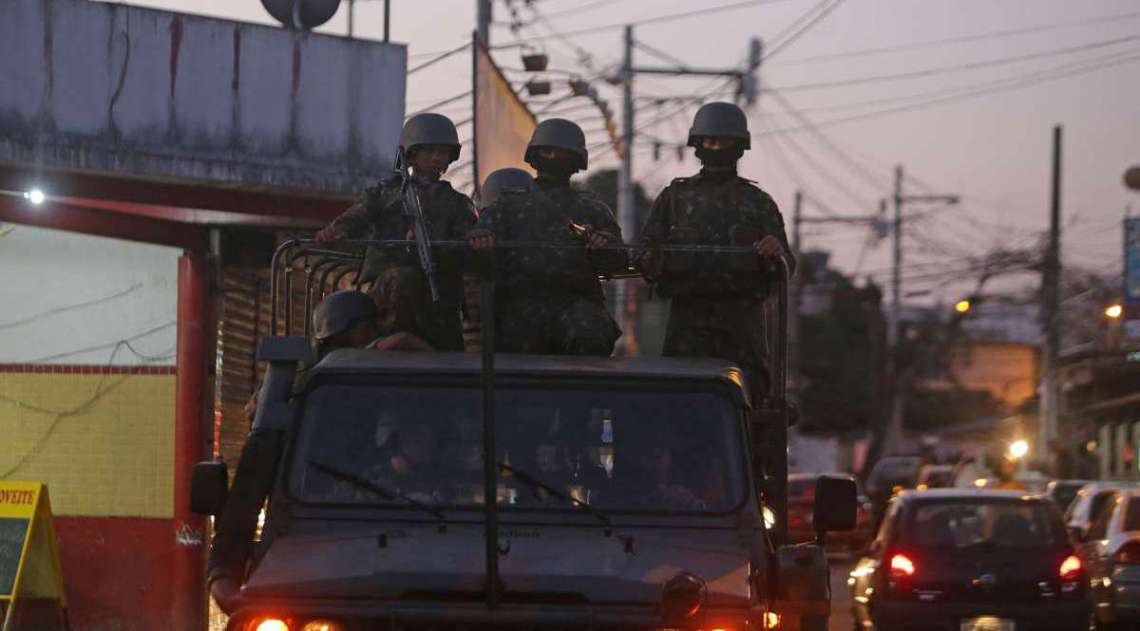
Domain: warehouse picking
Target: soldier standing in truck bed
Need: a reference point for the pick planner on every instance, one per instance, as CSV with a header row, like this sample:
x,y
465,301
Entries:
x,y
398,283
548,299
717,300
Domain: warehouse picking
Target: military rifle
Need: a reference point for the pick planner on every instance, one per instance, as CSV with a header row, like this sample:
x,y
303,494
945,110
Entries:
x,y
414,210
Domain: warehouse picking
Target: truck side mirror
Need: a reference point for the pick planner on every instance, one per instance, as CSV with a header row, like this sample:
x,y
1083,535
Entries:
x,y
209,484
836,503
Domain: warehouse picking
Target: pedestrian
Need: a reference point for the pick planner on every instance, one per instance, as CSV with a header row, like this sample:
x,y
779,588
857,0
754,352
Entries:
x,y
397,280
717,301
548,298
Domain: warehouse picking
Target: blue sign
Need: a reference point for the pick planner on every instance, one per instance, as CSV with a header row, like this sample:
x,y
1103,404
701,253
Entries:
x,y
1132,261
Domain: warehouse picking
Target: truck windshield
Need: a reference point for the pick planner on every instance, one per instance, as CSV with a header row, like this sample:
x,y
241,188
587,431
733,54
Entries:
x,y
616,450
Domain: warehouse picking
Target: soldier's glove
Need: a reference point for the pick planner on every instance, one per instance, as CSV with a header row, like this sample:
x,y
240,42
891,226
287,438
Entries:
x,y
769,249
480,238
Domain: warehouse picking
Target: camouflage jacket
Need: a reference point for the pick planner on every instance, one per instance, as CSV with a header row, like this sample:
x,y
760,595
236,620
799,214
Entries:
x,y
545,215
709,210
379,214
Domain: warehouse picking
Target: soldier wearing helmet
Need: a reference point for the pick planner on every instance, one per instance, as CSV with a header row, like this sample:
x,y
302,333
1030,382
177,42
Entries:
x,y
430,143
548,299
506,179
717,301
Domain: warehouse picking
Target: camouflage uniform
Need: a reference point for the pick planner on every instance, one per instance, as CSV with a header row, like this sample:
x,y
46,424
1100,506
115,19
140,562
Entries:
x,y
547,300
717,303
399,285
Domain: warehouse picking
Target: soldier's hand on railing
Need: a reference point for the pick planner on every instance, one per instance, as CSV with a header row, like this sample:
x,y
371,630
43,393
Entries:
x,y
330,233
480,239
768,248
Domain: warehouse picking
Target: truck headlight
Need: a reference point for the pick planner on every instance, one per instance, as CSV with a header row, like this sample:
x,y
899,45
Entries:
x,y
683,596
268,624
322,625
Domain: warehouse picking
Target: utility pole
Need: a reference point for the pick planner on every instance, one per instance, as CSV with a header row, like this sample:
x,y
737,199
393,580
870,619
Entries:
x,y
796,297
892,439
351,15
482,20
1050,305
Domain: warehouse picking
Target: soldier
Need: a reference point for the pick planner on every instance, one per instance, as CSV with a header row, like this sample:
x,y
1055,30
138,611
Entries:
x,y
548,299
506,179
399,286
717,301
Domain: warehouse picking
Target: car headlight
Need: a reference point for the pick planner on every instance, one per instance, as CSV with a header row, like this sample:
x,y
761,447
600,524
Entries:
x,y
274,623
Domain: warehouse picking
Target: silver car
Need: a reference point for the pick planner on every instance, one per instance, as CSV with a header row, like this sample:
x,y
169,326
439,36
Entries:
x,y
1111,550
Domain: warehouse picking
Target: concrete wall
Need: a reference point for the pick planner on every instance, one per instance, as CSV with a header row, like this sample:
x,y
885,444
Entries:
x,y
72,299
87,386
86,85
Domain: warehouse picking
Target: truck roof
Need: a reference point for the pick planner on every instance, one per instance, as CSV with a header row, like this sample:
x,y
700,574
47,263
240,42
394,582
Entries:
x,y
352,361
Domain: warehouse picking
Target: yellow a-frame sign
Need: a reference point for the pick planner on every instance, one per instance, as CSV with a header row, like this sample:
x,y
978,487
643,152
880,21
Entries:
x,y
31,582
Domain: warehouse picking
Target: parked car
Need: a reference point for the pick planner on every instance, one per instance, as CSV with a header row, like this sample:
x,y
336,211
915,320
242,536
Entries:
x,y
970,560
1087,506
1111,550
1063,492
801,502
935,476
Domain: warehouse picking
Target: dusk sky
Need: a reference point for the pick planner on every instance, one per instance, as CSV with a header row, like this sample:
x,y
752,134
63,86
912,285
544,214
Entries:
x,y
965,97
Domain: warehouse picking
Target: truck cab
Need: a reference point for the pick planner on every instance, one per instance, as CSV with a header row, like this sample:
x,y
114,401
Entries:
x,y
409,490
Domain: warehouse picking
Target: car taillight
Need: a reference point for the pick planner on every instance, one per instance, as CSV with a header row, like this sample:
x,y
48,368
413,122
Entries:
x,y
1070,568
1128,554
901,565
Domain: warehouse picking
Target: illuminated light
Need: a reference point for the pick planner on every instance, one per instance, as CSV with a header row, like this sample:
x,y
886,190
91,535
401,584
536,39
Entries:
x,y
901,565
769,517
771,620
981,482
1070,567
271,624
962,306
1018,449
863,570
1114,311
322,625
921,487
36,196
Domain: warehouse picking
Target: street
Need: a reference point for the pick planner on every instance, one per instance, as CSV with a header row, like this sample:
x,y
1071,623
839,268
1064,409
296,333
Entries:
x,y
840,594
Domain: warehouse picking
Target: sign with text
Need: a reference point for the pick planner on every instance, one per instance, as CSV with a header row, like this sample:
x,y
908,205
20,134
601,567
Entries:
x,y
31,581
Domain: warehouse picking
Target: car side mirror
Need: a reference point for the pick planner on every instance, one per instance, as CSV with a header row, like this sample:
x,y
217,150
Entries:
x,y
209,484
836,504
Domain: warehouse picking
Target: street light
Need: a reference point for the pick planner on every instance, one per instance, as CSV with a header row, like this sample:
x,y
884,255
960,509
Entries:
x,y
1018,449
962,306
1114,311
36,196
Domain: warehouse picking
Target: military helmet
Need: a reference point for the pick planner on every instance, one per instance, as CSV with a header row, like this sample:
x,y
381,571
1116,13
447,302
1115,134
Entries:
x,y
559,133
430,128
721,120
339,311
508,179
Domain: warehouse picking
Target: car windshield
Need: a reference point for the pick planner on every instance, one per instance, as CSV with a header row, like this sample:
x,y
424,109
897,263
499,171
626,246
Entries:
x,y
997,523
614,449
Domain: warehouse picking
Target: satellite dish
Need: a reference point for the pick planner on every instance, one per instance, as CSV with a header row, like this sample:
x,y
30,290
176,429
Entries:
x,y
1132,178
301,14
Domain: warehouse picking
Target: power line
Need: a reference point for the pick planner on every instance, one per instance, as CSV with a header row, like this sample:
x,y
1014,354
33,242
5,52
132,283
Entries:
x,y
927,72
835,182
854,165
449,100
72,307
578,10
960,39
440,57
804,29
652,20
1006,84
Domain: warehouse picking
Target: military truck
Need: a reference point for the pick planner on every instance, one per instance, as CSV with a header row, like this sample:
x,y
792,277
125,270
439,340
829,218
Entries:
x,y
425,490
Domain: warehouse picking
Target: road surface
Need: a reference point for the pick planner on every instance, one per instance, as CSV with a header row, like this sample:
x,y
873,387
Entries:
x,y
840,595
